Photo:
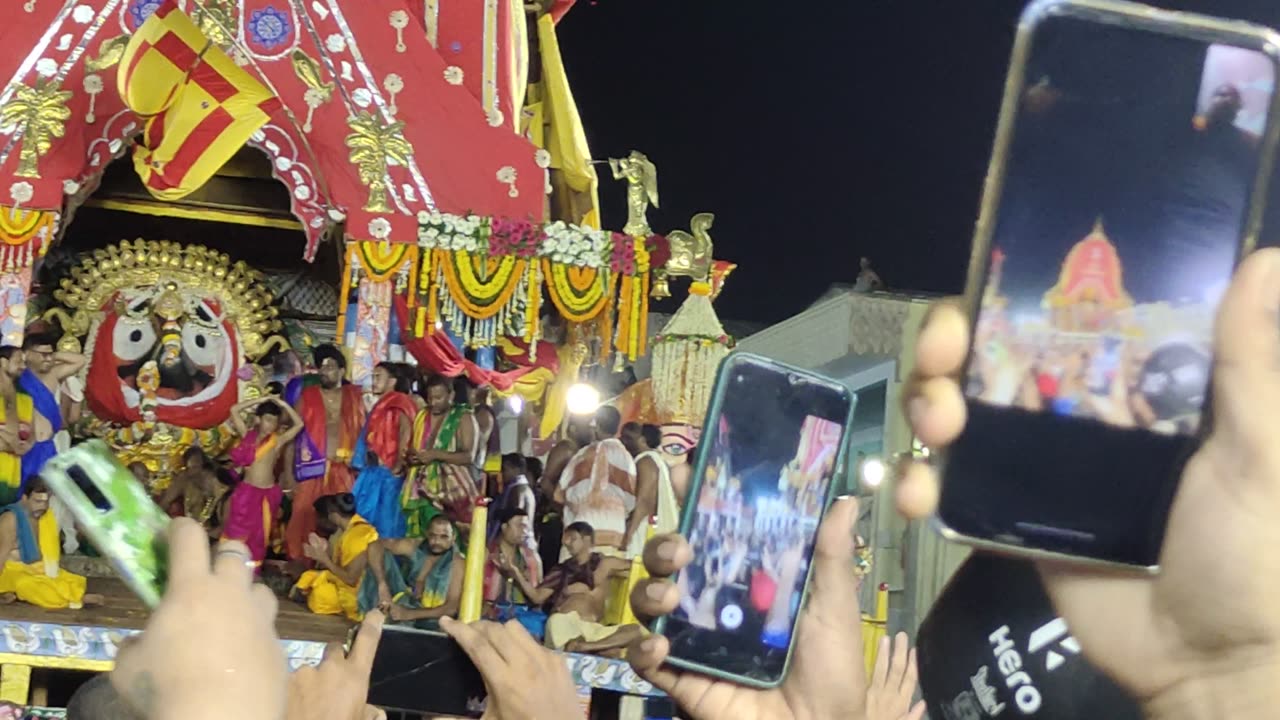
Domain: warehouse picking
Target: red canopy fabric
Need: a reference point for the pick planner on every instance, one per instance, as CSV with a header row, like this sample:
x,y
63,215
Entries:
x,y
328,61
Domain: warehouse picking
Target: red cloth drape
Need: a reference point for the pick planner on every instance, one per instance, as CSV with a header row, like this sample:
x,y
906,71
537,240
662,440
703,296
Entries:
x,y
436,353
383,436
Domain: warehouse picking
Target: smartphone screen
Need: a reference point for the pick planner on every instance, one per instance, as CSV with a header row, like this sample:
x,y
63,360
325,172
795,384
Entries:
x,y
769,449
1129,179
419,671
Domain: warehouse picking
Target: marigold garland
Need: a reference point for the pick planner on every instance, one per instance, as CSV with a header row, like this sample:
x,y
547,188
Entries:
x,y
493,269
24,236
481,294
381,260
579,293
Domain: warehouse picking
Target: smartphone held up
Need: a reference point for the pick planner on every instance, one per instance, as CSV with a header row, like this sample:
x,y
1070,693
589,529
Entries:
x,y
115,511
772,444
1126,183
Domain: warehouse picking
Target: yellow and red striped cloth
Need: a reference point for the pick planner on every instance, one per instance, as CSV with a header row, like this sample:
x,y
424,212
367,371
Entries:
x,y
198,105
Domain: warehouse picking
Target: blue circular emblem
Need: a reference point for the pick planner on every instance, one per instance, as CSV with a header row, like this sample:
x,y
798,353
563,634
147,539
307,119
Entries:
x,y
140,10
455,47
269,27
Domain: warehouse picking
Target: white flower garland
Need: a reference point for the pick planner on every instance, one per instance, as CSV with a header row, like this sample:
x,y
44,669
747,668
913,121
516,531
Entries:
x,y
564,243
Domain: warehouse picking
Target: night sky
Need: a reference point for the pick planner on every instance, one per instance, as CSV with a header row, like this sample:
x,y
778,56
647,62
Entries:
x,y
817,133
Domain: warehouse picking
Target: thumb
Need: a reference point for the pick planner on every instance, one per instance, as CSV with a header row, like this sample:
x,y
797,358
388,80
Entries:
x,y
835,584
1247,346
829,634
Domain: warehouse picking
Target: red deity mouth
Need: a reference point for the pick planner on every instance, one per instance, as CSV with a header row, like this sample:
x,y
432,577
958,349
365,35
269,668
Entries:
x,y
177,380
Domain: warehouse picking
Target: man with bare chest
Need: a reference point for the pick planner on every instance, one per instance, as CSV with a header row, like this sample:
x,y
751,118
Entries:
x,y
42,381
254,507
16,418
195,490
29,571
331,413
573,595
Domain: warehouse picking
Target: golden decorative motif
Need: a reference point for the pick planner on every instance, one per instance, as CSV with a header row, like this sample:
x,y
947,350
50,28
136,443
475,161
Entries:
x,y
308,71
690,255
216,19
318,92
158,446
195,269
642,190
38,114
109,53
374,145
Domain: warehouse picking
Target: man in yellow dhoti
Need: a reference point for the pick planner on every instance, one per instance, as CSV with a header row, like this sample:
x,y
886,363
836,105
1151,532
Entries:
x,y
31,550
331,589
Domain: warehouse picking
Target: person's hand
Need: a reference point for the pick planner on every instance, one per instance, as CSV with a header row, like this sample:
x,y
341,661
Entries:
x,y
1201,638
525,681
384,595
504,564
211,643
316,549
827,678
339,687
893,684
399,613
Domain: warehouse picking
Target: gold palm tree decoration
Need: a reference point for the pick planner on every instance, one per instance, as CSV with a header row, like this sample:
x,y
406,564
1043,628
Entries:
x,y
215,19
39,114
375,145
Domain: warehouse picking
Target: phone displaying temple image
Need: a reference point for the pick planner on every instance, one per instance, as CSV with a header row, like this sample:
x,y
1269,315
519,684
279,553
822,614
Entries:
x,y
770,447
1128,178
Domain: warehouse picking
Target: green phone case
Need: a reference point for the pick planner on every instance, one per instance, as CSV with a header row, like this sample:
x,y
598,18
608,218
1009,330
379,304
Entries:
x,y
131,532
689,513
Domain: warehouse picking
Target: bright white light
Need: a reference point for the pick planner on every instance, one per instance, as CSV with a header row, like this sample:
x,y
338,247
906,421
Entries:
x,y
439,324
515,404
582,399
872,472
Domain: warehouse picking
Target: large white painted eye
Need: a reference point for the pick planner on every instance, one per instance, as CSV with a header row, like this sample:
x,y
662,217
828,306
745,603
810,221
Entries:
x,y
202,344
132,339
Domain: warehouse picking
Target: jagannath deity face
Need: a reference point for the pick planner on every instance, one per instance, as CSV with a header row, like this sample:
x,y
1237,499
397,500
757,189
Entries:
x,y
677,440
166,344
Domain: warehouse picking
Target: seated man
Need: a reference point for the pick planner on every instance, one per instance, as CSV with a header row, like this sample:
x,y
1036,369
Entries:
x,y
254,507
573,595
508,547
200,491
435,572
30,548
341,560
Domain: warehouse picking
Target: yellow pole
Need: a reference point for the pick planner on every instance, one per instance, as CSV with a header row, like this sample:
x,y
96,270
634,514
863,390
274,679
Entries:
x,y
874,627
637,574
473,576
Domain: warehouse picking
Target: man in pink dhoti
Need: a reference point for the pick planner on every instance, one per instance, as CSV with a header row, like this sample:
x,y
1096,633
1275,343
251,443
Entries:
x,y
598,485
254,507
